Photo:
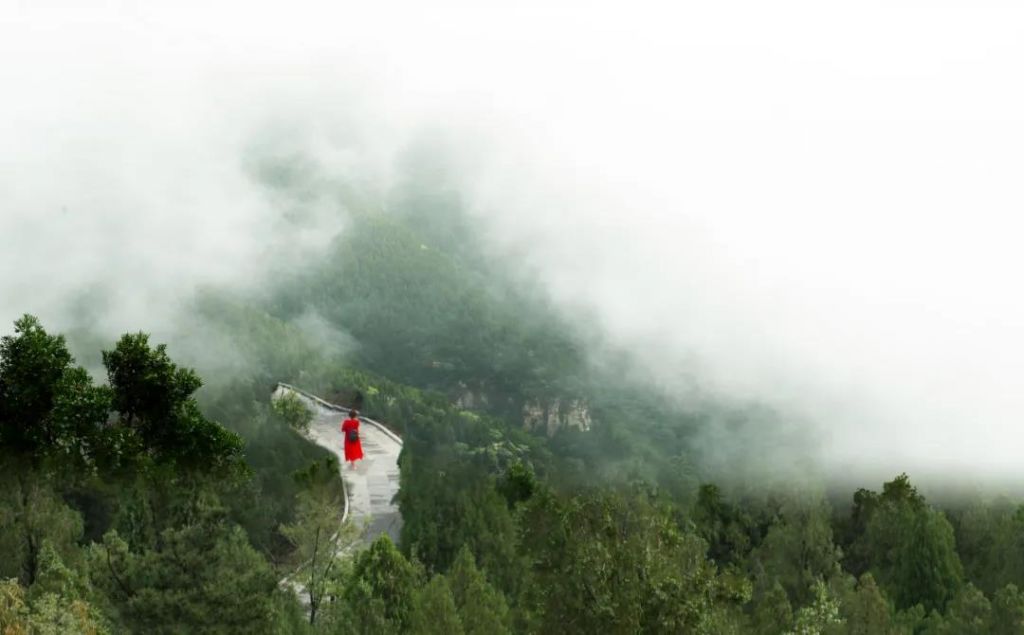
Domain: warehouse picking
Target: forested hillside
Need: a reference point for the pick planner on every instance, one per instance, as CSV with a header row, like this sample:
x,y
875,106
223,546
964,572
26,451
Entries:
x,y
544,488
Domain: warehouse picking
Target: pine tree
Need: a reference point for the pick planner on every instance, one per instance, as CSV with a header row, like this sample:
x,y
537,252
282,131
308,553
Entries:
x,y
382,585
866,611
482,608
1008,611
433,610
773,613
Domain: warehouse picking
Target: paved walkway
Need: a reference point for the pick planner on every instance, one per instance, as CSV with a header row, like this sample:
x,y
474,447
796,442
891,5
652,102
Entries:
x,y
371,487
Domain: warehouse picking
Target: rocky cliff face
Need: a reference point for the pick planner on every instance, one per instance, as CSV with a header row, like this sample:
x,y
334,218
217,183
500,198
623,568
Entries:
x,y
557,414
469,400
550,416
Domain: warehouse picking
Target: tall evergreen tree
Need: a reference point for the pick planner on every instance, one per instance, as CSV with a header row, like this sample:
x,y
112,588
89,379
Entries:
x,y
482,608
381,589
433,610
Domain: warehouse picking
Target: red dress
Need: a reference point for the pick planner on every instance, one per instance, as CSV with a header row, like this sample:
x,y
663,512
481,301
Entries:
x,y
353,449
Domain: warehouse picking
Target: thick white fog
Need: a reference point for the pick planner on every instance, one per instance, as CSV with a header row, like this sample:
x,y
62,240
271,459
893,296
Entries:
x,y
813,206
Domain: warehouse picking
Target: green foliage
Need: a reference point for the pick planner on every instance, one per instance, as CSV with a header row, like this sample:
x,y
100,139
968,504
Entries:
x,y
55,578
798,550
32,366
969,612
865,611
448,504
153,397
319,535
518,484
382,586
988,538
49,614
32,519
383,283
263,348
48,408
608,530
1008,611
50,411
605,563
729,531
294,411
818,617
773,612
275,454
58,598
908,546
433,610
482,608
202,578
13,609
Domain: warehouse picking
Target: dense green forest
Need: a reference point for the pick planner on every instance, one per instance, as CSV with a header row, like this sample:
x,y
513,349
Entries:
x,y
544,488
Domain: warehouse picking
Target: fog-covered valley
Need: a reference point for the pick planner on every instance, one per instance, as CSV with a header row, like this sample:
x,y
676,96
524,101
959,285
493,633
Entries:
x,y
742,259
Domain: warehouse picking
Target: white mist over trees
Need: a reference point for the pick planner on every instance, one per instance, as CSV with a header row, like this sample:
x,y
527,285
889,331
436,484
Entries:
x,y
794,204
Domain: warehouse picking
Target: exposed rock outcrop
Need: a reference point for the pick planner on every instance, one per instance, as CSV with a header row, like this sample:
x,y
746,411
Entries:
x,y
557,414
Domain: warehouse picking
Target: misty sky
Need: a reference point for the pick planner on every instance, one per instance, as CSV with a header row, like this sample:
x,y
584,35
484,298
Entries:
x,y
813,204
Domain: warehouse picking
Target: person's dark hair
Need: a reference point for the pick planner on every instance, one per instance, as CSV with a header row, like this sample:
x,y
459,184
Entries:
x,y
352,414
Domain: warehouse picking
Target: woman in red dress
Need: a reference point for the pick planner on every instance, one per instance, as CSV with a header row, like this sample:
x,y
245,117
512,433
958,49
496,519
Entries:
x,y
350,431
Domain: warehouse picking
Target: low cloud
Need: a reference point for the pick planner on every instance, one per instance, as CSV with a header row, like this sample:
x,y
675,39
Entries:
x,y
798,206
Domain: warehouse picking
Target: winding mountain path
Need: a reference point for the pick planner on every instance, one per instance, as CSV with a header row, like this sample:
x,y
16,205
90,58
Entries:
x,y
370,488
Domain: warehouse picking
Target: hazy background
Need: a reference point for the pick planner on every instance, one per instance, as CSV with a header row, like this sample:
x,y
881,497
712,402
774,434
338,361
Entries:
x,y
813,207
